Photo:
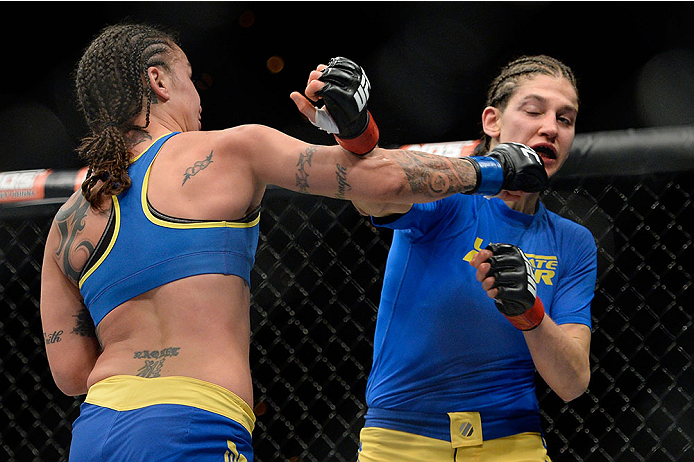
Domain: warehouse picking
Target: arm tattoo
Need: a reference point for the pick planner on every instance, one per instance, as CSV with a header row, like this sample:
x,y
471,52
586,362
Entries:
x,y
342,185
84,326
70,221
434,175
53,337
197,167
302,174
154,360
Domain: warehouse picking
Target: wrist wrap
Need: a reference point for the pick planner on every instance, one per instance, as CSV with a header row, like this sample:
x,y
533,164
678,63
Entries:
x,y
363,143
531,318
490,175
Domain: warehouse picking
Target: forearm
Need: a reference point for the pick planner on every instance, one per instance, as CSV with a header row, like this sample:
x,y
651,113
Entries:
x,y
383,178
430,176
399,178
72,349
561,356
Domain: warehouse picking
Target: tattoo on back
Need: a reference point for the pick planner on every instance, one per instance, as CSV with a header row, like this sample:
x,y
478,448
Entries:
x,y
437,177
302,173
197,168
70,221
154,360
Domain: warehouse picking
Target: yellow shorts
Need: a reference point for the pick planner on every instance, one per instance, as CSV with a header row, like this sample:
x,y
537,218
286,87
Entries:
x,y
383,445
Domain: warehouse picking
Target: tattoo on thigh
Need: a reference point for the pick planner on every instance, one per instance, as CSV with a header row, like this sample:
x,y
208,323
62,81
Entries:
x,y
197,168
154,360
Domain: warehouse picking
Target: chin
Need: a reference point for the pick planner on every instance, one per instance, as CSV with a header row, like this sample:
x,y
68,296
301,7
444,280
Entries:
x,y
551,166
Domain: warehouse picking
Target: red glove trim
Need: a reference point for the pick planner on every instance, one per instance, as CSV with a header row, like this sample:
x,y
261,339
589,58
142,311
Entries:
x,y
531,318
363,143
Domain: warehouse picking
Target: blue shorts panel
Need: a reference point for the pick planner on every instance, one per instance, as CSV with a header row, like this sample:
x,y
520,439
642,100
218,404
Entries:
x,y
153,429
169,432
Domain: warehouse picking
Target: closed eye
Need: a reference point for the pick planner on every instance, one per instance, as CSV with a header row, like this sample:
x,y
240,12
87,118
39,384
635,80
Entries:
x,y
566,120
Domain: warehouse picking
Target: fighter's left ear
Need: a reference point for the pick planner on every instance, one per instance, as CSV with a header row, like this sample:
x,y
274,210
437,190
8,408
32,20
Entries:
x,y
491,121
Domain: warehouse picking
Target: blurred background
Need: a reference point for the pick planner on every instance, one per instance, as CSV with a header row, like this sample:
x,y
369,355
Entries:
x,y
428,62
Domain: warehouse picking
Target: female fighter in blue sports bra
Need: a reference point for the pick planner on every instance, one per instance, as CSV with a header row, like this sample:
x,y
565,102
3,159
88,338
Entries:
x,y
145,280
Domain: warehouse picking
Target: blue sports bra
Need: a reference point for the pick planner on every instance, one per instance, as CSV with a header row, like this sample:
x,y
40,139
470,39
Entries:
x,y
142,249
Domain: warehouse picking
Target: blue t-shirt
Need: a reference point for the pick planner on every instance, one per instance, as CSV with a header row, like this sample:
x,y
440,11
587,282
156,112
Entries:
x,y
440,343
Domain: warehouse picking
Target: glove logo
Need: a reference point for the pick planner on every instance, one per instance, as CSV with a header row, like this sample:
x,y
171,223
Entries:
x,y
531,154
362,94
529,271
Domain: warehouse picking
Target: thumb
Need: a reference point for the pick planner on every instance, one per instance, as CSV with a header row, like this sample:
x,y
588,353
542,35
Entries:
x,y
304,105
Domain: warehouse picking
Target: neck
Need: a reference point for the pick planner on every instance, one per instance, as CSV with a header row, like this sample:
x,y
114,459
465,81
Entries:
x,y
527,204
139,139
160,122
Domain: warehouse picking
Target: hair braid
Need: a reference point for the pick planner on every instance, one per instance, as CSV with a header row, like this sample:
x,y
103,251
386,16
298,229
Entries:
x,y
112,89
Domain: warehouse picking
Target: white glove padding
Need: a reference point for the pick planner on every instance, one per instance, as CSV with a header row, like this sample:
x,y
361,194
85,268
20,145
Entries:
x,y
325,122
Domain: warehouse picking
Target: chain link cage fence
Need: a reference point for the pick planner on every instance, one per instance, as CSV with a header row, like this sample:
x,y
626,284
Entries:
x,y
315,292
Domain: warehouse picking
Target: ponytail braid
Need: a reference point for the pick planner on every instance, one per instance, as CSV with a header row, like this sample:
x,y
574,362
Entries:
x,y
112,89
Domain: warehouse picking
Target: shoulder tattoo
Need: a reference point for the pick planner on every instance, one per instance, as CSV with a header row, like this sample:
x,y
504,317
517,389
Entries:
x,y
197,167
70,222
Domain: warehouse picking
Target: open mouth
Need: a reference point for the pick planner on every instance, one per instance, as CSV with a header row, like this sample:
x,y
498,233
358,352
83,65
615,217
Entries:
x,y
545,152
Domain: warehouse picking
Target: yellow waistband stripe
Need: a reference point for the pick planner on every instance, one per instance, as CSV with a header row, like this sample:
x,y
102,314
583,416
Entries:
x,y
128,392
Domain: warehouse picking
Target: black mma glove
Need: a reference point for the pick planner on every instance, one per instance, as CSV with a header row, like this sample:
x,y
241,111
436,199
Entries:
x,y
515,279
345,94
509,166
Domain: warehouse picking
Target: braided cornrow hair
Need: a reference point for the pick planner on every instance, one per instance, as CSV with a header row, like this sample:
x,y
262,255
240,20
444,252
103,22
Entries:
x,y
512,75
112,89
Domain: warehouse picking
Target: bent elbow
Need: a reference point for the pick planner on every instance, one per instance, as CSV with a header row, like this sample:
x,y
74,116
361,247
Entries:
x,y
576,389
71,384
72,388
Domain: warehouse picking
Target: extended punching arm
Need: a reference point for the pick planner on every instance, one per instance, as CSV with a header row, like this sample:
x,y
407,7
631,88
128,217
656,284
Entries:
x,y
346,90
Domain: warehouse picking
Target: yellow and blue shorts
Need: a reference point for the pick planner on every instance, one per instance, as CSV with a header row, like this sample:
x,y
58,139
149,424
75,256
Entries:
x,y
466,445
128,418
